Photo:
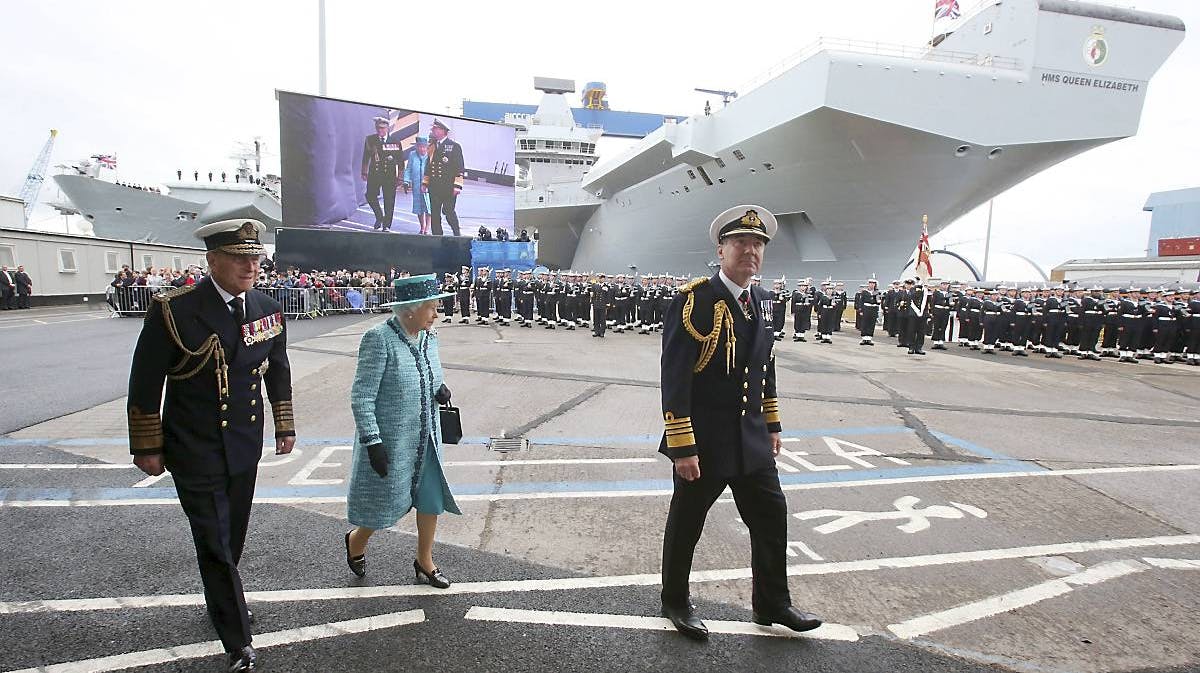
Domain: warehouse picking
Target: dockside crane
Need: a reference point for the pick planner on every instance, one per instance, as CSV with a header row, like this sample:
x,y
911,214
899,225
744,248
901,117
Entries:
x,y
726,96
37,175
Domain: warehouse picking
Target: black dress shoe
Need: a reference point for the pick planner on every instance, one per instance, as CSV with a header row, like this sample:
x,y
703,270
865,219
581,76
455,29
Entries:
x,y
792,618
358,564
685,621
435,579
245,659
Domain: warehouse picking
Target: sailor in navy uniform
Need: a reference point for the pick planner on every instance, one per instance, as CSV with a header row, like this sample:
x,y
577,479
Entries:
x,y
866,307
483,288
464,295
449,287
382,168
443,179
941,315
802,306
722,422
214,344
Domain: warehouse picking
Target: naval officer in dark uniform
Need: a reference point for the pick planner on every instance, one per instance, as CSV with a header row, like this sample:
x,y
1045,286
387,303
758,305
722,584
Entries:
x,y
443,179
382,168
214,344
722,422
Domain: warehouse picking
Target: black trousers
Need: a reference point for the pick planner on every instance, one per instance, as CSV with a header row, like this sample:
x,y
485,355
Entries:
x,y
866,321
914,329
483,304
802,319
6,296
941,320
376,183
442,200
599,319
763,508
218,509
1052,337
448,306
504,305
464,303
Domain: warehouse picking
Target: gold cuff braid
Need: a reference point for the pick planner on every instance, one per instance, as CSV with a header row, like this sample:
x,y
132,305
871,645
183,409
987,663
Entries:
x,y
285,422
145,430
770,409
679,431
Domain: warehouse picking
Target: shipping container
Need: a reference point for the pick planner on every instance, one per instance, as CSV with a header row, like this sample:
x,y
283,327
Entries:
x,y
1178,247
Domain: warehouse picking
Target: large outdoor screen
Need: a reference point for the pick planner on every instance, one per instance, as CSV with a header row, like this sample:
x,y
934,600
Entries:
x,y
378,168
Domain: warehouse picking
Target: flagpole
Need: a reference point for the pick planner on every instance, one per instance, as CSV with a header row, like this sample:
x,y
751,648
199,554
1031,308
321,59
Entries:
x,y
321,79
987,242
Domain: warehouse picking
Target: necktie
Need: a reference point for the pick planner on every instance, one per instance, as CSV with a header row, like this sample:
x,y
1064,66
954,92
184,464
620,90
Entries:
x,y
744,300
239,312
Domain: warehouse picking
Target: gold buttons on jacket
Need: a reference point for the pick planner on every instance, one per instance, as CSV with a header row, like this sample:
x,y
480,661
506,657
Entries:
x,y
764,383
253,372
253,403
745,384
764,368
253,386
225,424
253,418
745,399
224,407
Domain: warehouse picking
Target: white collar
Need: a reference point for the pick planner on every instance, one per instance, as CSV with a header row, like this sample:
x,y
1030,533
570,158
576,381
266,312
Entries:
x,y
734,288
227,297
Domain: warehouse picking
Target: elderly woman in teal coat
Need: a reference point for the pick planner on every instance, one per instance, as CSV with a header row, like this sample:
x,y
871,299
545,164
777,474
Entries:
x,y
397,465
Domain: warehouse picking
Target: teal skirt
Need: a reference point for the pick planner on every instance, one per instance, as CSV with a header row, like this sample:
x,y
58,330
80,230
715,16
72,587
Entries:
x,y
430,492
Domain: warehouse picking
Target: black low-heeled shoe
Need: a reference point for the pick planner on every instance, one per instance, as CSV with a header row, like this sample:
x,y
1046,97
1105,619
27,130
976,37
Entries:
x,y
435,579
358,564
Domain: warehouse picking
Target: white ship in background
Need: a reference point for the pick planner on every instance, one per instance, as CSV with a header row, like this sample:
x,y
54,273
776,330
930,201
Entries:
x,y
115,210
848,143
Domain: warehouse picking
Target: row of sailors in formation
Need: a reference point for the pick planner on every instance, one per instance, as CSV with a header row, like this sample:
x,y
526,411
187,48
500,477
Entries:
x,y
565,299
1127,323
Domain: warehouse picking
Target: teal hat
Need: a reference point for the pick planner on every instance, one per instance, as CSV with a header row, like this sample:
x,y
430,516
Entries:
x,y
416,289
422,140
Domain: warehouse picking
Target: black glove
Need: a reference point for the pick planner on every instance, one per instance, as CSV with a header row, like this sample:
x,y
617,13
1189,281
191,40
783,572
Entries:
x,y
379,459
442,396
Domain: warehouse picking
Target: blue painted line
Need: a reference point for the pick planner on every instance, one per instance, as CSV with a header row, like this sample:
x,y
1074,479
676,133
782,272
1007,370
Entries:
x,y
983,452
343,441
167,493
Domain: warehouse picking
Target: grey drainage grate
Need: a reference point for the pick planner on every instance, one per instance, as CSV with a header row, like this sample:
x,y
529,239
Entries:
x,y
506,444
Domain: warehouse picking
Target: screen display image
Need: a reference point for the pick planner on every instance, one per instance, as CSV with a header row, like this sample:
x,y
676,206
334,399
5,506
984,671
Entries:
x,y
372,168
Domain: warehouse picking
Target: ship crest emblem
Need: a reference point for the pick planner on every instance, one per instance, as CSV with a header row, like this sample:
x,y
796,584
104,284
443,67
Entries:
x,y
1095,49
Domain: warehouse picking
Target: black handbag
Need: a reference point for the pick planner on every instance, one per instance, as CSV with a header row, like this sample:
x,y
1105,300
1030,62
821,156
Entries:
x,y
451,424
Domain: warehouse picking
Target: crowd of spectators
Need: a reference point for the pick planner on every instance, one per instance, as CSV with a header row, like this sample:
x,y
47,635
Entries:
x,y
302,293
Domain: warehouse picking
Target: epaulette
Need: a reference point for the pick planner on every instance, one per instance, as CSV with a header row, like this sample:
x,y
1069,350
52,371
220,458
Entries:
x,y
693,285
177,292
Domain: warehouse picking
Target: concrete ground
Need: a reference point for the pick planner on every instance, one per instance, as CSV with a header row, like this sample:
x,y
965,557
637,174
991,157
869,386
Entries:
x,y
949,513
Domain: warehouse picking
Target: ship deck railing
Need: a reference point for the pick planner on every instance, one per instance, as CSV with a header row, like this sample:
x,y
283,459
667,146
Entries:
x,y
572,195
875,48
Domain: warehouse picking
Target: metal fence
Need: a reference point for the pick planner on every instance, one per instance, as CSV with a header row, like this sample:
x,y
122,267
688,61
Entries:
x,y
297,302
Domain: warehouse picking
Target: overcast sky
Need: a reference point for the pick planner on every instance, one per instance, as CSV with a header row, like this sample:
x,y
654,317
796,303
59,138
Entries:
x,y
167,85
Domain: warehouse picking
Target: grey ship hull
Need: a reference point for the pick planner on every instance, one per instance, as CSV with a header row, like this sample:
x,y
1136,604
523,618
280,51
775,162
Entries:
x,y
128,214
851,147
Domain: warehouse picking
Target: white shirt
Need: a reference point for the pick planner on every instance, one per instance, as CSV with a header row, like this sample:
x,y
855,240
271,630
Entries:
x,y
227,297
733,287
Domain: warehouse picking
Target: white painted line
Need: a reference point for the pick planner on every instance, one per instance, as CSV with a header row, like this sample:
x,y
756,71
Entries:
x,y
66,466
575,583
1174,563
647,493
166,655
152,480
994,605
548,461
824,632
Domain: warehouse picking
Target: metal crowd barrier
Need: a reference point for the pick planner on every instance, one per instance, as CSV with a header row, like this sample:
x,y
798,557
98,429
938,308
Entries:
x,y
298,302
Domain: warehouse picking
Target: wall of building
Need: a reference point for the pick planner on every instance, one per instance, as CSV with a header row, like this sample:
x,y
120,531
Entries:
x,y
67,267
1176,214
12,213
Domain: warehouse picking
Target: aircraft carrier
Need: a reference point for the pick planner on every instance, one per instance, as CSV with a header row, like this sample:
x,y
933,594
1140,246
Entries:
x,y
851,143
